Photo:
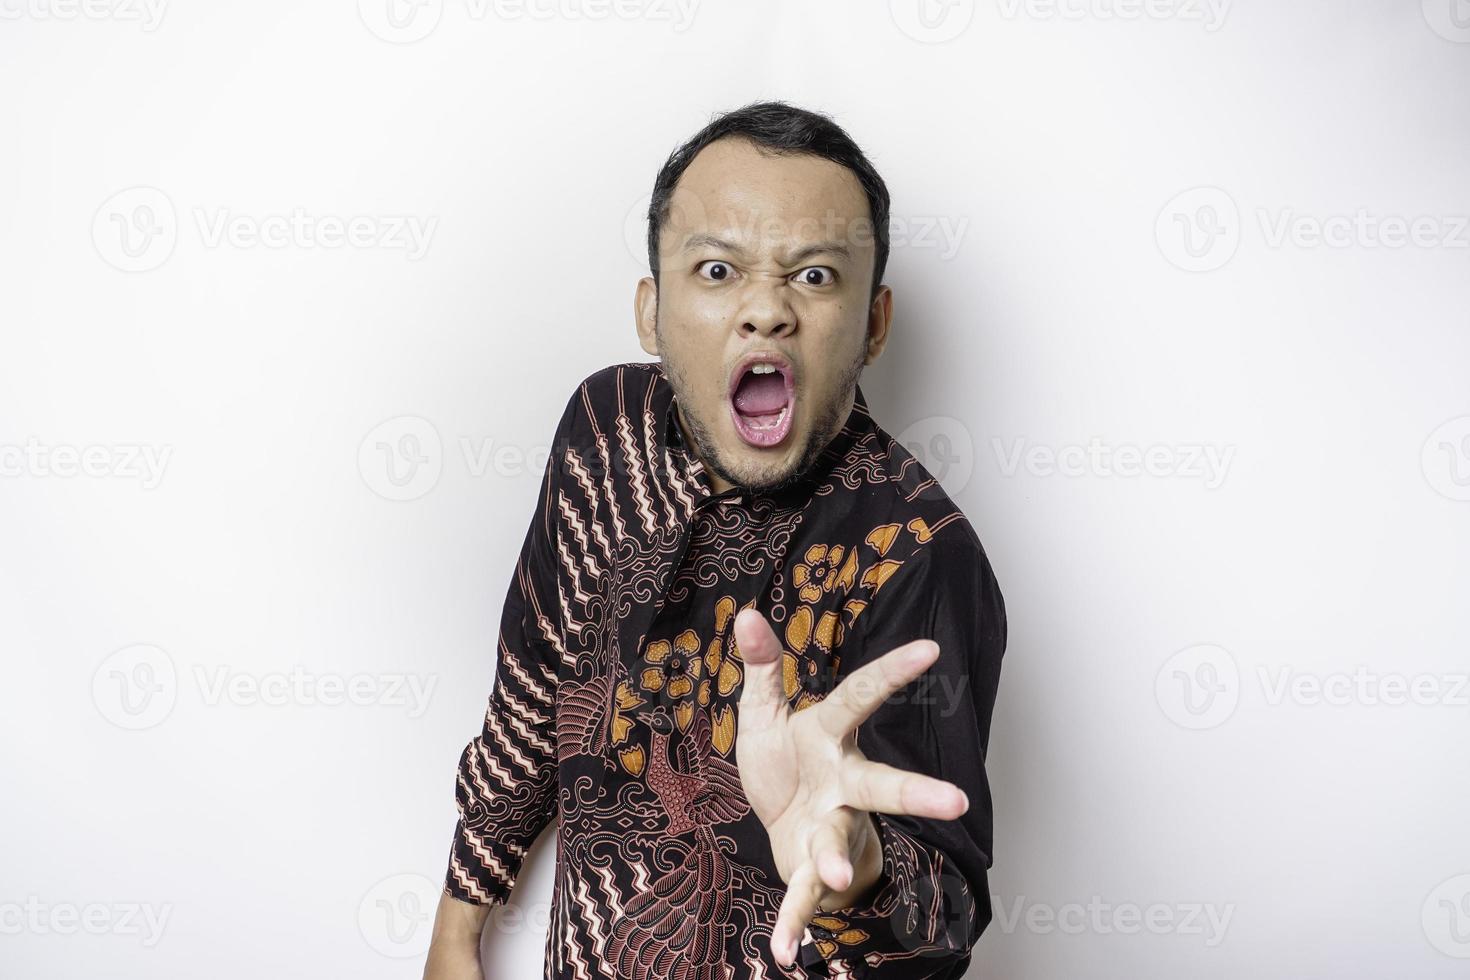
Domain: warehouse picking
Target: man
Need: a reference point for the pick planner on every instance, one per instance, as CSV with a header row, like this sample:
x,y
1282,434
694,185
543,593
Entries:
x,y
750,651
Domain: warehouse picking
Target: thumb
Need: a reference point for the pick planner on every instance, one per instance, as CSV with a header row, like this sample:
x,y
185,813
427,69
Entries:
x,y
763,697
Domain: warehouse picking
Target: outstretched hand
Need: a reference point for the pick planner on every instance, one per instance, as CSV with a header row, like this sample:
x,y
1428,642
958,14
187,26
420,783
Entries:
x,y
810,785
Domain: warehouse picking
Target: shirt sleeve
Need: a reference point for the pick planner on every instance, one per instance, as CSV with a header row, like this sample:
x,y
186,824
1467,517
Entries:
x,y
932,899
507,778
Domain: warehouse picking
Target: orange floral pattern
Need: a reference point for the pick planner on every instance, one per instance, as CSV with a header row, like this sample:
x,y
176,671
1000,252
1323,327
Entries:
x,y
811,635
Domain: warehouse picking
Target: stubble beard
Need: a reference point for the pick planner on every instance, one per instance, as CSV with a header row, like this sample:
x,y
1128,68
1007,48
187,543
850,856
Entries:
x,y
824,428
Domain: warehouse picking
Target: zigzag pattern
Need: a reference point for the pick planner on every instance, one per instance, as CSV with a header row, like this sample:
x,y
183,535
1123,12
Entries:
x,y
682,491
503,742
593,919
573,520
650,454
584,481
620,529
533,687
523,726
467,882
488,860
637,479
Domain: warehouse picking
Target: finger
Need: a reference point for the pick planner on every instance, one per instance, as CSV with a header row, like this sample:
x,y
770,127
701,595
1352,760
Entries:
x,y
832,852
797,909
877,787
762,698
862,691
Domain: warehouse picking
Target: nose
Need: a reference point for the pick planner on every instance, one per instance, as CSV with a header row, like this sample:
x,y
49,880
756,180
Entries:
x,y
767,309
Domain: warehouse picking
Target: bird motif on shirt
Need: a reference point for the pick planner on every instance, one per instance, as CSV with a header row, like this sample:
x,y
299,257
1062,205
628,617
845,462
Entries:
x,y
696,787
678,928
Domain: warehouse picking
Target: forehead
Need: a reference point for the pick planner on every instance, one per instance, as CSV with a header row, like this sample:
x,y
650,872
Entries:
x,y
735,190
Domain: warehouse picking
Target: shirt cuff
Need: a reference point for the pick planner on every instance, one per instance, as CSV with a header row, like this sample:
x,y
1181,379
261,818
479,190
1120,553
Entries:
x,y
919,923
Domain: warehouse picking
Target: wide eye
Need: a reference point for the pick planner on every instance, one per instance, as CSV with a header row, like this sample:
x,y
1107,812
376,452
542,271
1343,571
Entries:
x,y
816,275
715,270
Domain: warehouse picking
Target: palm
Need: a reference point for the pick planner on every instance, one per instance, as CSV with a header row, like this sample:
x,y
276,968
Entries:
x,y
808,782
793,785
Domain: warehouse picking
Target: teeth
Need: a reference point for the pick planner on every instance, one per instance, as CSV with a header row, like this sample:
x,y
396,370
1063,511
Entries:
x,y
763,369
779,419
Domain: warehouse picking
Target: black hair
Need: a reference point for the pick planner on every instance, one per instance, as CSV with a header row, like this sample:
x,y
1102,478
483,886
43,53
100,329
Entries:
x,y
780,128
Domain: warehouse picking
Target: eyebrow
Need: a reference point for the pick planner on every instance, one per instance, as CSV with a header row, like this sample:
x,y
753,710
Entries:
x,y
703,240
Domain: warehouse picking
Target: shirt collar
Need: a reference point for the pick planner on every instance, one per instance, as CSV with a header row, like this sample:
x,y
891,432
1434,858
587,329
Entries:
x,y
671,438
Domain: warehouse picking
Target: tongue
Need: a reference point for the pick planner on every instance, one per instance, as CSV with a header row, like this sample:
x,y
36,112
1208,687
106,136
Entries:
x,y
760,394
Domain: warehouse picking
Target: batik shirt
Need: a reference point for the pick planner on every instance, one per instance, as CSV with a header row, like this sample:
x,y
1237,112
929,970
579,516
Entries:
x,y
613,709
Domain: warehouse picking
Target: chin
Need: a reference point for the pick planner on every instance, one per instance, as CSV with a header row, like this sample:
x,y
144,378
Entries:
x,y
759,468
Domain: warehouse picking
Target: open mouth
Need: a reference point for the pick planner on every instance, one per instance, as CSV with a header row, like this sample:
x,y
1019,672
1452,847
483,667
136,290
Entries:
x,y
763,399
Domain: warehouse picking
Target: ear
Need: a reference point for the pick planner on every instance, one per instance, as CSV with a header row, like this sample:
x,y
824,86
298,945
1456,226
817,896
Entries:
x,y
645,314
880,317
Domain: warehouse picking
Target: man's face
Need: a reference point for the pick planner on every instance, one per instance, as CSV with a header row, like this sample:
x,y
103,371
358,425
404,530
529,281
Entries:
x,y
763,258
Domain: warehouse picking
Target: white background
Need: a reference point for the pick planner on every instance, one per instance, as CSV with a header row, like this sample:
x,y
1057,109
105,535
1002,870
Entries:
x,y
1232,689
